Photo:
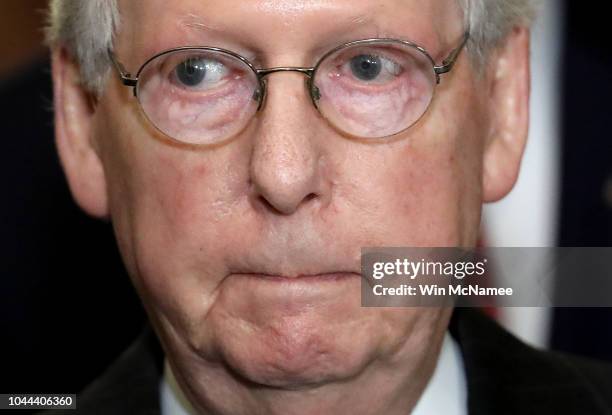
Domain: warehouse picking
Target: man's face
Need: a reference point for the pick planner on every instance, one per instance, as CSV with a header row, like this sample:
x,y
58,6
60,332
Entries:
x,y
223,243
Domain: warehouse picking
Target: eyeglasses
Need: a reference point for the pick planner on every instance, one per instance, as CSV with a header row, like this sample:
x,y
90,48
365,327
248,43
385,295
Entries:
x,y
371,88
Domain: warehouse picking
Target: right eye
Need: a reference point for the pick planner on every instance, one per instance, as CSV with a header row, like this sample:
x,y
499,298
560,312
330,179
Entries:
x,y
200,73
370,67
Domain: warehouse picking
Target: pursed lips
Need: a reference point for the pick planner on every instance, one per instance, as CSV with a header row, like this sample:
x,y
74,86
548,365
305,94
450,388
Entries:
x,y
319,277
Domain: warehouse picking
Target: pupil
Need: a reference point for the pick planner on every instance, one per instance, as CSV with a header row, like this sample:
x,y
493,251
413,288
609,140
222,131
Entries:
x,y
366,67
191,72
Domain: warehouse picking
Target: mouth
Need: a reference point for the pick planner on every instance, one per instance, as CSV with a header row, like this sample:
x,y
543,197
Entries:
x,y
302,278
271,298
286,295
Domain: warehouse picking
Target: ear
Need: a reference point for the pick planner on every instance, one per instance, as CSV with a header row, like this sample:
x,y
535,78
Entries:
x,y
74,112
509,87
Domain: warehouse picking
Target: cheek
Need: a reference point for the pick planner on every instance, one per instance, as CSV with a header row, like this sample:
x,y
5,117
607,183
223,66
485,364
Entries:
x,y
186,207
175,213
424,190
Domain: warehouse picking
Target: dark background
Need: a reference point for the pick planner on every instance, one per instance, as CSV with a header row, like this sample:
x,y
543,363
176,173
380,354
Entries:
x,y
67,307
586,198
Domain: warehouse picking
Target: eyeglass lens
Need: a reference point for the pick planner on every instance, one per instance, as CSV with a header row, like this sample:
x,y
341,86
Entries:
x,y
368,90
375,90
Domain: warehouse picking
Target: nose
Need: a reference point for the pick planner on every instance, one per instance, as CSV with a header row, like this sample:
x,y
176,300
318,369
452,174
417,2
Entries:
x,y
287,162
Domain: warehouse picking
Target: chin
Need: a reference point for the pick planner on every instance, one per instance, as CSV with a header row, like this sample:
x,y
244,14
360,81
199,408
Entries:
x,y
296,353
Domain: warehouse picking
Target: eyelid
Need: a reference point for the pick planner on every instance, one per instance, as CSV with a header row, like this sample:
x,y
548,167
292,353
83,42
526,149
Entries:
x,y
379,50
404,62
170,63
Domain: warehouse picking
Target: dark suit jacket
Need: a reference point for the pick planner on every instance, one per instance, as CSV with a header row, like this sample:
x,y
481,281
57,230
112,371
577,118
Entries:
x,y
504,376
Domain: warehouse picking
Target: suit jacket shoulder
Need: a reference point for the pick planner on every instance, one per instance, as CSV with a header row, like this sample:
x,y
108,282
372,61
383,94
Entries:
x,y
506,376
129,386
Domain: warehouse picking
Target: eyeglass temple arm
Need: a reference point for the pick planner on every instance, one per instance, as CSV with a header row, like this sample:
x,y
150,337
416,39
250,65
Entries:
x,y
125,77
449,62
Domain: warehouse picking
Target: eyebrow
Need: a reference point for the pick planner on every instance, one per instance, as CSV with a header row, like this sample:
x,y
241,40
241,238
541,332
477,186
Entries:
x,y
340,32
360,19
194,21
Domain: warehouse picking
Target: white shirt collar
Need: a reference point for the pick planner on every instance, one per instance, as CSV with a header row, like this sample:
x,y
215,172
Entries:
x,y
172,400
446,392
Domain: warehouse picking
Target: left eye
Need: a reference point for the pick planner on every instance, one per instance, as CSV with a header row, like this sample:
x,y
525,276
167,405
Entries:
x,y
200,73
369,67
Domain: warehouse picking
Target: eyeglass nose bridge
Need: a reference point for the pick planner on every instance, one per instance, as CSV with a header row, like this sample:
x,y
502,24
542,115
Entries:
x,y
303,70
261,93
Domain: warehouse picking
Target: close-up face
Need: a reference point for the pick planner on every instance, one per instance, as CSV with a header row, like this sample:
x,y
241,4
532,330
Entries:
x,y
246,251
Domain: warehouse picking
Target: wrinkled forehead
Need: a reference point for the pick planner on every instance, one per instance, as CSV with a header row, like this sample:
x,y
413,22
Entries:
x,y
281,27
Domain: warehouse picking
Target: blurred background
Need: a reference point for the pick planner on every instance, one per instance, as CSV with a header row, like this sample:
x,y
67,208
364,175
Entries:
x,y
67,308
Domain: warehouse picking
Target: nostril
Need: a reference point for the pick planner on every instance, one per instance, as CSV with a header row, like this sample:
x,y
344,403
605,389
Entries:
x,y
280,209
266,204
310,197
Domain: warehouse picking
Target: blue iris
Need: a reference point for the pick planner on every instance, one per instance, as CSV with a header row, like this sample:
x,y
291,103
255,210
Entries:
x,y
366,67
191,72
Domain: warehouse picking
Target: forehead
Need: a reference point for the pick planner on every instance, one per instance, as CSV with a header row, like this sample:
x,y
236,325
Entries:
x,y
280,26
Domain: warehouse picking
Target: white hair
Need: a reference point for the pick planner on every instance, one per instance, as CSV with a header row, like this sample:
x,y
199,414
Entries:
x,y
86,28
